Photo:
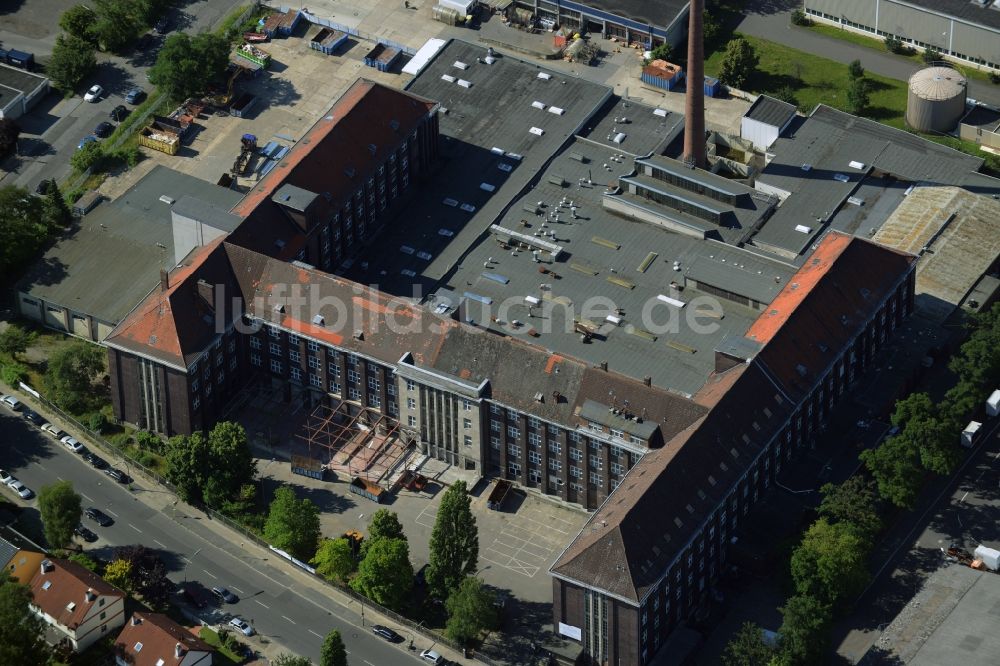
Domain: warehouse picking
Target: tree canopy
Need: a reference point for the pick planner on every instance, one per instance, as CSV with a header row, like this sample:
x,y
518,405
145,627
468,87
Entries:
x,y
738,63
287,659
857,96
72,60
25,226
470,610
385,575
79,20
384,524
334,559
333,652
186,65
15,340
805,630
148,574
855,502
211,468
119,573
831,562
21,631
70,374
897,471
454,542
292,524
747,648
118,22
60,507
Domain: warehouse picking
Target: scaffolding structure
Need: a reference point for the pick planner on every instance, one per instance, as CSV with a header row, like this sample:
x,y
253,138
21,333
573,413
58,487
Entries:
x,y
350,439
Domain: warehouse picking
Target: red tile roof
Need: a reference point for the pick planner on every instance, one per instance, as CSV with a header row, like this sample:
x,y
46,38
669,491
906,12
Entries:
x,y
67,583
159,637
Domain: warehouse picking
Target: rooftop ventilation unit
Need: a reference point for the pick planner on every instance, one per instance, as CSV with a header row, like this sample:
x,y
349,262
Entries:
x,y
854,164
464,83
460,65
662,113
807,167
448,77
544,76
538,105
318,320
537,131
803,229
167,199
556,110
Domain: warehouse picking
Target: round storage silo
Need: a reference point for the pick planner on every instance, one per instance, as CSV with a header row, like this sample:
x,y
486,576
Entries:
x,y
936,99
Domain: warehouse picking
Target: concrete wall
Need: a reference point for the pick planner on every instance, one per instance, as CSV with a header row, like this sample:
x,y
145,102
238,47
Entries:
x,y
760,134
983,137
190,233
62,319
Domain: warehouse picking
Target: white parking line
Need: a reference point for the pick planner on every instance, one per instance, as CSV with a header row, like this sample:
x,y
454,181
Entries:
x,y
289,619
237,589
112,512
262,604
211,574
159,544
135,528
314,634
84,495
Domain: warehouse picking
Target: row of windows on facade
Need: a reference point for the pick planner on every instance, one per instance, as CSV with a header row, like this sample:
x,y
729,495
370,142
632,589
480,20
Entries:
x,y
373,399
906,40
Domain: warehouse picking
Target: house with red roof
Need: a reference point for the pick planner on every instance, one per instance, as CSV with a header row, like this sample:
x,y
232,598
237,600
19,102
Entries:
x,y
78,605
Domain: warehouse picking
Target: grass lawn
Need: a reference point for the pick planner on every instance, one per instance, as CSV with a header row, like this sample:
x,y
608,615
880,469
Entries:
x,y
878,45
816,80
224,656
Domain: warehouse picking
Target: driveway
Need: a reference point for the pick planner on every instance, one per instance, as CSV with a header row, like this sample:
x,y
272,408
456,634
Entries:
x,y
771,19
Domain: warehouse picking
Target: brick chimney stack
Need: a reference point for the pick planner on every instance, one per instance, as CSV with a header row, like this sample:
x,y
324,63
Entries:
x,y
694,105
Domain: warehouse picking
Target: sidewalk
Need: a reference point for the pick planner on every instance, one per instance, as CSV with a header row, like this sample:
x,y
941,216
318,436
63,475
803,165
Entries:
x,y
201,525
761,19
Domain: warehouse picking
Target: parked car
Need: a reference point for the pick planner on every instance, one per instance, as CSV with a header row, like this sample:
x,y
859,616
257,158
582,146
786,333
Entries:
x,y
387,633
85,534
241,625
52,430
94,94
11,402
119,113
90,138
104,130
96,461
5,477
135,95
191,595
432,656
23,491
43,187
98,516
118,475
32,417
73,445
225,595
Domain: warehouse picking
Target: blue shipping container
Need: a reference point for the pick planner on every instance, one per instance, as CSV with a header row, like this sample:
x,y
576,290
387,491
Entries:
x,y
712,86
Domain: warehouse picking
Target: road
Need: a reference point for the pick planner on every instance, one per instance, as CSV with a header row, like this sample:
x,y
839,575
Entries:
x,y
284,608
771,19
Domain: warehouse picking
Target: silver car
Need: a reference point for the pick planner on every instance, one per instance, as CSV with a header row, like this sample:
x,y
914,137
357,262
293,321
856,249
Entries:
x,y
23,491
241,625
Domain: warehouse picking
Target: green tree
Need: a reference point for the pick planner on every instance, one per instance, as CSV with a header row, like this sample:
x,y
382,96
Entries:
x,y
804,630
149,574
931,55
90,156
286,659
9,133
384,524
56,209
895,466
118,22
21,631
292,524
24,228
738,63
185,65
799,18
747,648
72,60
711,30
60,508
893,44
830,563
855,502
385,575
85,561
119,573
187,458
857,96
454,542
333,652
470,610
924,430
334,559
12,373
15,340
80,21
69,377
786,94
231,463
856,69
977,361
661,52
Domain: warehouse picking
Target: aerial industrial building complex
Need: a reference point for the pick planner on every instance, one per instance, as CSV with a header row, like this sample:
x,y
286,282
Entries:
x,y
512,271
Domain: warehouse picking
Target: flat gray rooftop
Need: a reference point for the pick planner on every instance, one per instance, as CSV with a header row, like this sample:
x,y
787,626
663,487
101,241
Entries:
x,y
964,9
647,129
111,259
879,196
770,111
19,80
812,164
486,142
609,266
